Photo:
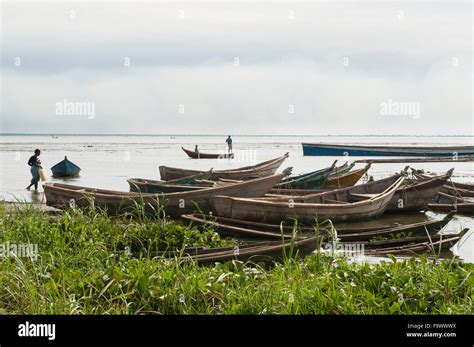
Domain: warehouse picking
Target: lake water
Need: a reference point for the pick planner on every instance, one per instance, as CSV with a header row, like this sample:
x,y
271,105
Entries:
x,y
107,162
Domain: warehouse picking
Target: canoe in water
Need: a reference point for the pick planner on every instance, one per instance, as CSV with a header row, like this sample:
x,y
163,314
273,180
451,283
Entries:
x,y
200,155
312,180
262,169
336,205
174,204
325,149
413,195
346,179
65,168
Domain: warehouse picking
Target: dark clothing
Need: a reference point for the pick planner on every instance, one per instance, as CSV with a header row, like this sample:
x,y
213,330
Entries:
x,y
35,164
34,161
229,141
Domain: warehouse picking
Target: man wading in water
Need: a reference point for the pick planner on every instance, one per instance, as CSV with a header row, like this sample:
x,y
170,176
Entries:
x,y
35,164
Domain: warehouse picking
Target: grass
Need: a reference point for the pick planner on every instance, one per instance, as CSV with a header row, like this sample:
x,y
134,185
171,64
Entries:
x,y
85,267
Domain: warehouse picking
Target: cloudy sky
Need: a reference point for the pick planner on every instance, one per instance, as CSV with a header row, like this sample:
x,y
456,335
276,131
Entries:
x,y
262,67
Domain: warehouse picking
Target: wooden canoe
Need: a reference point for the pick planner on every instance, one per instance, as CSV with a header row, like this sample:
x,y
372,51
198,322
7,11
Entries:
x,y
263,169
175,204
145,185
347,179
254,230
153,186
324,149
272,251
200,155
269,251
334,205
413,195
312,180
451,187
65,168
344,168
444,202
442,244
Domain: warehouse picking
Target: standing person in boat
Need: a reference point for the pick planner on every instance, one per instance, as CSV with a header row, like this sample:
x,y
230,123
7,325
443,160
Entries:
x,y
229,144
196,149
35,163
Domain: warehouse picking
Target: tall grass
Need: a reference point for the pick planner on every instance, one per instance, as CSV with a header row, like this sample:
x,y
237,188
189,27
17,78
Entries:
x,y
83,268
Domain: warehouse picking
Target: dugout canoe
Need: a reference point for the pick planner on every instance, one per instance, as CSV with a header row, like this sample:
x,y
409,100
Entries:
x,y
200,155
175,204
325,149
243,229
262,169
347,179
334,205
65,168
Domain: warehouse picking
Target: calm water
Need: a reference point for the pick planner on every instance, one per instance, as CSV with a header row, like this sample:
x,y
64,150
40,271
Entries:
x,y
107,161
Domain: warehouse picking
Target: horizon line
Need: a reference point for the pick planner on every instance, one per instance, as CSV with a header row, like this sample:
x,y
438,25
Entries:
x,y
262,135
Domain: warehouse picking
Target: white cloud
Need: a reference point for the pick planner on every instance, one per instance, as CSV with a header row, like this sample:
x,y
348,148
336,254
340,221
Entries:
x,y
397,51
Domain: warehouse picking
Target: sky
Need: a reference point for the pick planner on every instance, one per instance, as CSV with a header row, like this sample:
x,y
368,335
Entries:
x,y
250,67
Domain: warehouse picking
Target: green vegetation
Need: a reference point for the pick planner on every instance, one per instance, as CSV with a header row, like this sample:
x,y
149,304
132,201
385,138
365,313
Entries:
x,y
83,268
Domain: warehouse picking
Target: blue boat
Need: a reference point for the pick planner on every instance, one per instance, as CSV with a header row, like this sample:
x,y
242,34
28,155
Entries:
x,y
65,168
322,149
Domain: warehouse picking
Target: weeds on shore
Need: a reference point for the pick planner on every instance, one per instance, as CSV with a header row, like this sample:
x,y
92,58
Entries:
x,y
82,268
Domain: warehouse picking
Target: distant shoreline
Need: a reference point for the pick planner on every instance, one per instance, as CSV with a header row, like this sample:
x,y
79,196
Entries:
x,y
239,135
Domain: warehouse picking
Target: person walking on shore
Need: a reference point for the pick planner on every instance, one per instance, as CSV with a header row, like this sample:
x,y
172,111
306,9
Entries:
x,y
229,144
35,163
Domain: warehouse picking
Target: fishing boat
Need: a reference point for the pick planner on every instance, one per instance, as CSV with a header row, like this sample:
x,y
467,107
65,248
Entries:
x,y
325,149
466,158
271,251
268,251
344,168
156,186
65,168
346,179
451,187
444,202
435,246
263,169
175,204
244,229
336,205
200,155
412,195
312,180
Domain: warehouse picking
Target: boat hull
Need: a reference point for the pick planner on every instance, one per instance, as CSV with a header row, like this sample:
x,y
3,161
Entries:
x,y
310,149
253,230
199,155
347,179
65,168
278,211
175,204
412,196
263,169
